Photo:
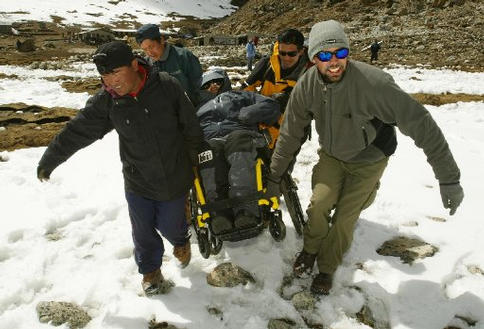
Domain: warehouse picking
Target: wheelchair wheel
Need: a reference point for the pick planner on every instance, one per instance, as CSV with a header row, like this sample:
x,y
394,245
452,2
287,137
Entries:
x,y
192,201
215,245
277,228
203,243
289,191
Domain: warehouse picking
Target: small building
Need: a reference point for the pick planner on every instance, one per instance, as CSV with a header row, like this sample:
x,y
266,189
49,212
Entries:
x,y
212,39
121,33
96,36
5,28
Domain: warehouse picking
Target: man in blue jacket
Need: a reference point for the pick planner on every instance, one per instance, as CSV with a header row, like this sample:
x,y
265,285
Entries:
x,y
179,62
159,140
250,50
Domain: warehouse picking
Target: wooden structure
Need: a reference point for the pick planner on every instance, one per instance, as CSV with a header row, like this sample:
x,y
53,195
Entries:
x,y
96,36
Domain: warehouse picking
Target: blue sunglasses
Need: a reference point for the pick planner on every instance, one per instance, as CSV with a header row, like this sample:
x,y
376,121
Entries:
x,y
325,56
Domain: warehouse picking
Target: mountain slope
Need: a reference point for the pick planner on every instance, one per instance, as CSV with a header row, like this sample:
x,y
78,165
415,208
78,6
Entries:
x,y
442,33
112,12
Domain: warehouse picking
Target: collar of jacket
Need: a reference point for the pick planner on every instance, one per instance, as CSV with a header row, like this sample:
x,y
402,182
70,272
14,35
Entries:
x,y
166,53
293,76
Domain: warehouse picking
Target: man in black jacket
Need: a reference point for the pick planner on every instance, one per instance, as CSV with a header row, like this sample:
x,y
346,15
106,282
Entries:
x,y
159,139
374,49
230,123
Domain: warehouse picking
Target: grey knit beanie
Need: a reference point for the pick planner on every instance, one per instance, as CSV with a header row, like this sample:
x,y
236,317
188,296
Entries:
x,y
325,35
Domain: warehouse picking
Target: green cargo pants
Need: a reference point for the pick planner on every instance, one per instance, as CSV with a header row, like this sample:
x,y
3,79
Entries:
x,y
346,188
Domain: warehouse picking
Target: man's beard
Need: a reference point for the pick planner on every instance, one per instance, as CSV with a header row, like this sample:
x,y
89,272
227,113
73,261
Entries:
x,y
328,78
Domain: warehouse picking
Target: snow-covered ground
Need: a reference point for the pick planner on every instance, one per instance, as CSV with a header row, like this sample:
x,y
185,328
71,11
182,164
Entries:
x,y
69,239
86,12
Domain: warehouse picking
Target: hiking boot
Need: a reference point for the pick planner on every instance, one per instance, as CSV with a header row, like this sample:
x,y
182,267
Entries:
x,y
304,264
152,282
245,219
183,253
220,224
322,284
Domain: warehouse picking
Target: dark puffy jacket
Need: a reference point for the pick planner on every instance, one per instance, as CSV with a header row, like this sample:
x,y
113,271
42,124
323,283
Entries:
x,y
236,110
158,132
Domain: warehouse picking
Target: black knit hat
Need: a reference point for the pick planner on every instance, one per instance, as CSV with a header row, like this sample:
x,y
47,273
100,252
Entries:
x,y
112,55
148,31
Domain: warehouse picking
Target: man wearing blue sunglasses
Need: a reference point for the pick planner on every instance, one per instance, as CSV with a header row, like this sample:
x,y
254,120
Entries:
x,y
355,107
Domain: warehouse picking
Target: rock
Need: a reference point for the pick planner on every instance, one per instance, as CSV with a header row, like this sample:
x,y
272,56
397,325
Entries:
x,y
160,325
303,301
281,324
25,46
58,313
474,269
20,132
229,275
365,315
3,156
53,236
437,219
407,249
215,312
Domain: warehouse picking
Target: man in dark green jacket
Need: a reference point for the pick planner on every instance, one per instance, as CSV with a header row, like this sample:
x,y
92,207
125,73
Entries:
x,y
355,107
159,140
179,62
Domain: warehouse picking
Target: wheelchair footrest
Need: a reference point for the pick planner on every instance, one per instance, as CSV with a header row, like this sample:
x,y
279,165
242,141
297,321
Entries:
x,y
241,234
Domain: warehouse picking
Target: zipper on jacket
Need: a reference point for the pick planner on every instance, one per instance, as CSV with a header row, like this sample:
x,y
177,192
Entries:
x,y
365,136
329,123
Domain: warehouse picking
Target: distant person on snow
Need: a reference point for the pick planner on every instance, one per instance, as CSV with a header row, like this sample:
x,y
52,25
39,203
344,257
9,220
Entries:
x,y
250,50
374,49
159,140
355,107
179,62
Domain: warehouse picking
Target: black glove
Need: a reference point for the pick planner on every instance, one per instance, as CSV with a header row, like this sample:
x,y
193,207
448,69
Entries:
x,y
273,188
452,195
42,174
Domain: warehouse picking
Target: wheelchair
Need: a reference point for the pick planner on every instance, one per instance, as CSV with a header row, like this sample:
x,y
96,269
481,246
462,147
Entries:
x,y
270,216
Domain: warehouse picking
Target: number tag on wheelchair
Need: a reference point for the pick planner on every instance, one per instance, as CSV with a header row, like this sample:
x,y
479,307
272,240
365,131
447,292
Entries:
x,y
205,156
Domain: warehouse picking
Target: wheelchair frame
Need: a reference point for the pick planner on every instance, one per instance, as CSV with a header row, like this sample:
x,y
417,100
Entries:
x,y
210,243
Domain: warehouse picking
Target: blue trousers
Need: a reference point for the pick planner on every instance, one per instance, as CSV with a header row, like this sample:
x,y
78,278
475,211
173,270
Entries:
x,y
150,218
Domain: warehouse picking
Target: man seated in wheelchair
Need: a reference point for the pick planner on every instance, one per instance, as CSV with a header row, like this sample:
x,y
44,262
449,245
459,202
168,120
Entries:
x,y
230,123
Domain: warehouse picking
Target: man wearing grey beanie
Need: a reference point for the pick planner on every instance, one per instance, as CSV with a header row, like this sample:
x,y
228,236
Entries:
x,y
355,107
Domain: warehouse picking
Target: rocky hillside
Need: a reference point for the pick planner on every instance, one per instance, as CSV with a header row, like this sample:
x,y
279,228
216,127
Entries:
x,y
438,33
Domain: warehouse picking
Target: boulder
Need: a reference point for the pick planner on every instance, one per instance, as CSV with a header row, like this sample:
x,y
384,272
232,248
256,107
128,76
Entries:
x,y
281,324
407,249
25,46
303,301
58,313
229,275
